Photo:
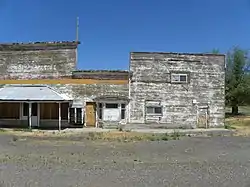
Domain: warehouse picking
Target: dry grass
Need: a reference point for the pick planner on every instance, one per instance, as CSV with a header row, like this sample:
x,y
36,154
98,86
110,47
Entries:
x,y
240,124
96,136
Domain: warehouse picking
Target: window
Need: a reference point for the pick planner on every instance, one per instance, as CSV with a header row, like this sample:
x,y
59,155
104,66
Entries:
x,y
179,78
72,115
100,110
78,115
25,109
154,110
111,105
64,111
75,116
123,111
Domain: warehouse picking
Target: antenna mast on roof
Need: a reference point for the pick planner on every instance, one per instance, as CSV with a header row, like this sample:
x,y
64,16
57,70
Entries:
x,y
77,29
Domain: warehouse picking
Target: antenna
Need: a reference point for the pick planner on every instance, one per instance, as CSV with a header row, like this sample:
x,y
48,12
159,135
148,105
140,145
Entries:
x,y
77,29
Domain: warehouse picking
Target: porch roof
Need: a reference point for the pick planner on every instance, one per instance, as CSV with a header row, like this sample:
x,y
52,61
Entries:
x,y
31,93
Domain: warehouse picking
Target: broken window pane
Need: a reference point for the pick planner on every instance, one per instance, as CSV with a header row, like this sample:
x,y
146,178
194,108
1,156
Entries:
x,y
175,78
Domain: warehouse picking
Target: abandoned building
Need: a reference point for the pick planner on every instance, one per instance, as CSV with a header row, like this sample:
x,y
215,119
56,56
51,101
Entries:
x,y
42,87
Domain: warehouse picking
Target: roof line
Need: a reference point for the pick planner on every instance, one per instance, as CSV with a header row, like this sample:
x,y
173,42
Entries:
x,y
64,96
180,53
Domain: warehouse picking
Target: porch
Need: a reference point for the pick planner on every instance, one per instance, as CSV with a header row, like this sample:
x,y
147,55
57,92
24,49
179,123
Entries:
x,y
33,107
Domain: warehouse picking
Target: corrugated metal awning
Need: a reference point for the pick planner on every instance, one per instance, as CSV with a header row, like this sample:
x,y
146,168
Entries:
x,y
31,93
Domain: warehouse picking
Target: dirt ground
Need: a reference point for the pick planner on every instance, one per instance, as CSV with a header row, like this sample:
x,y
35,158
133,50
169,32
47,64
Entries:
x,y
190,161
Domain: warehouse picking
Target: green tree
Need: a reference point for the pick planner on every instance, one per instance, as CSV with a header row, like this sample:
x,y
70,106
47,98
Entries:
x,y
215,51
237,88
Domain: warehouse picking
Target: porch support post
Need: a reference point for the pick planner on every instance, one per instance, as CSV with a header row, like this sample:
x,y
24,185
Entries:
x,y
59,120
30,125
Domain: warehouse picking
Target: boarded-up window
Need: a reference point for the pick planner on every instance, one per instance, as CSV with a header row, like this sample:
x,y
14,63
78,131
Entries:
x,y
9,110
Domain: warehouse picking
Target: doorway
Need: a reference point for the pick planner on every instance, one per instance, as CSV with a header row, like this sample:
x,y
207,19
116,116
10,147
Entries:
x,y
34,113
203,116
90,114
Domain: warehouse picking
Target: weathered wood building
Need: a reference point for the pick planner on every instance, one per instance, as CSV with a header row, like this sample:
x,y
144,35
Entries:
x,y
41,87
177,90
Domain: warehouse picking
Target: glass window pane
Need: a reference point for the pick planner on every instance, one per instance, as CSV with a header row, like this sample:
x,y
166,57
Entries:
x,y
123,114
158,110
111,105
79,115
150,110
25,109
72,115
123,106
183,78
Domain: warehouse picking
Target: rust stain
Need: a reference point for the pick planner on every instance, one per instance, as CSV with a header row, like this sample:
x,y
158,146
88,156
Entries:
x,y
63,81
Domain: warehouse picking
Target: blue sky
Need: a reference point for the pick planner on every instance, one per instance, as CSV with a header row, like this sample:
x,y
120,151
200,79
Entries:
x,y
110,29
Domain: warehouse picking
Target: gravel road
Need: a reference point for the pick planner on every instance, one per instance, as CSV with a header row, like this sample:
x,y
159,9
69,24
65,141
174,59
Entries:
x,y
214,161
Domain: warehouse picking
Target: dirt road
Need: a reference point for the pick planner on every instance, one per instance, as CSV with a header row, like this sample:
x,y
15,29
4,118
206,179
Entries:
x,y
214,161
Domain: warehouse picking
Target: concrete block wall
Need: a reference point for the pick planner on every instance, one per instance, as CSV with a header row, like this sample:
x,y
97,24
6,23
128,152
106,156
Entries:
x,y
151,81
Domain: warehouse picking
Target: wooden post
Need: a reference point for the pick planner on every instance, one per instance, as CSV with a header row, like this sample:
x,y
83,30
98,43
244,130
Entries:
x,y
30,115
59,120
68,115
75,115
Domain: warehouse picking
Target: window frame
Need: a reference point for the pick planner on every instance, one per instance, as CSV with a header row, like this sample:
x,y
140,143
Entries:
x,y
110,104
154,113
179,74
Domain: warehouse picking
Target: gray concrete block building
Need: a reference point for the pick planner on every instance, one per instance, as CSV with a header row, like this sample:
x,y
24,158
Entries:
x,y
42,87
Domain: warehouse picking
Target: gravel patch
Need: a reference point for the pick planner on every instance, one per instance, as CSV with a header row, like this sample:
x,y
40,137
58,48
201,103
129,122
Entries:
x,y
196,161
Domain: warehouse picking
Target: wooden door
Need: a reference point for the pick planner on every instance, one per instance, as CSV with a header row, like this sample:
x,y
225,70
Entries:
x,y
202,118
90,114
